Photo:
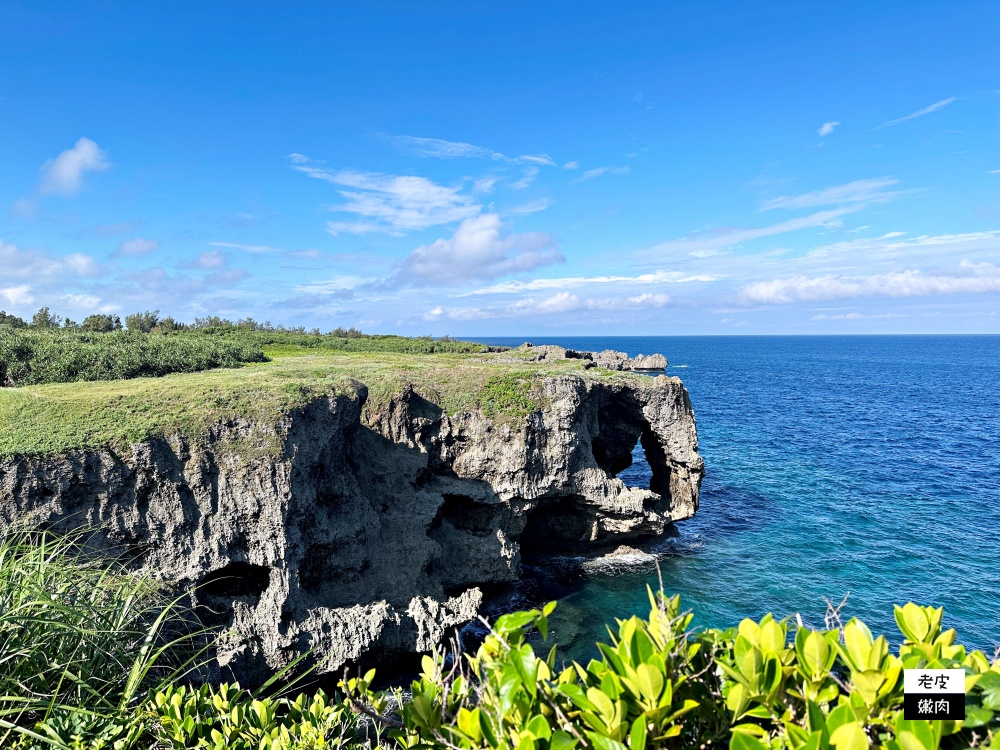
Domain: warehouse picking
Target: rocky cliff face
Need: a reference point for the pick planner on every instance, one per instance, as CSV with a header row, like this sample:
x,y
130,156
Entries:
x,y
374,528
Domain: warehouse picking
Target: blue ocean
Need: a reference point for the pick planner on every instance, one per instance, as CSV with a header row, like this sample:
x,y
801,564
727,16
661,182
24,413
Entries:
x,y
865,467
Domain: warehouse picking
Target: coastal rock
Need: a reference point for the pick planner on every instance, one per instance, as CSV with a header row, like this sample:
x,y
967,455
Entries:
x,y
608,359
374,529
653,362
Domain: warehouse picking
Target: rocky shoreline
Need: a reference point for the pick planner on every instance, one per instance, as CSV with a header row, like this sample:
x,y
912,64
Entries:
x,y
378,526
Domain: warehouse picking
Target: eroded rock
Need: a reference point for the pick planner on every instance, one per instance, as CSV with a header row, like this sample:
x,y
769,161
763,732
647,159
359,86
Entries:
x,y
376,527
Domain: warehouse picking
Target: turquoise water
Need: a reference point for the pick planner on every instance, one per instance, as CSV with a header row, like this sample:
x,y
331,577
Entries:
x,y
867,465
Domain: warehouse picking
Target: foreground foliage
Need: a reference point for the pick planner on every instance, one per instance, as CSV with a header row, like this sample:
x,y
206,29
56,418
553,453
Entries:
x,y
87,663
762,686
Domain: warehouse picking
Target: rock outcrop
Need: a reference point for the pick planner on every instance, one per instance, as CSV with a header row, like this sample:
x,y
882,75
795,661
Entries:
x,y
608,359
375,528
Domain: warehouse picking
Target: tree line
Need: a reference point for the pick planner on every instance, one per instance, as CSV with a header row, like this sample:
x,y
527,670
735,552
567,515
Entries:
x,y
150,321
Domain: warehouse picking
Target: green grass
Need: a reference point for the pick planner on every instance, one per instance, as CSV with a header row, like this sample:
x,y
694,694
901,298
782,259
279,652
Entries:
x,y
509,394
78,635
58,417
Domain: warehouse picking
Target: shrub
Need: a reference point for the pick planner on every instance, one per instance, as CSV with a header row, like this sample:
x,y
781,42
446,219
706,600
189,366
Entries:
x,y
143,322
33,357
101,323
6,319
761,686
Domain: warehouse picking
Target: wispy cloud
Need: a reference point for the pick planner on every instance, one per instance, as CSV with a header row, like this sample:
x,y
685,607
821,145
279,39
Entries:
x,y
256,249
859,191
571,165
531,207
478,250
921,112
439,149
526,180
570,282
389,204
598,171
697,245
64,174
556,304
911,282
828,127
855,316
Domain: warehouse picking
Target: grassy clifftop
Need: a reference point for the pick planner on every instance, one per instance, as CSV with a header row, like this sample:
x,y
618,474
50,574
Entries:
x,y
58,417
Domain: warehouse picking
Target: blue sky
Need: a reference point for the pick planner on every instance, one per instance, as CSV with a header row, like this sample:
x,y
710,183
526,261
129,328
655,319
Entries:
x,y
506,168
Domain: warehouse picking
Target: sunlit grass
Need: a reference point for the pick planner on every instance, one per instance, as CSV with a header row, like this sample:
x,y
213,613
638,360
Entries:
x,y
55,418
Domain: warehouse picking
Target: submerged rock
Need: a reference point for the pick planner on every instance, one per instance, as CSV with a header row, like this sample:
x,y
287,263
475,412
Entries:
x,y
375,528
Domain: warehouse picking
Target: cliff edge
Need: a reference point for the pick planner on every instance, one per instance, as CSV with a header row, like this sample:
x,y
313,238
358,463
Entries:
x,y
359,524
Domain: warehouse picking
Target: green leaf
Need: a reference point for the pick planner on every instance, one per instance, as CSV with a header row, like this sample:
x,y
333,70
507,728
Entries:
x,y
744,741
772,637
649,681
560,741
989,683
600,742
857,643
637,736
737,700
850,736
975,716
841,715
514,621
912,621
468,724
814,653
539,728
605,706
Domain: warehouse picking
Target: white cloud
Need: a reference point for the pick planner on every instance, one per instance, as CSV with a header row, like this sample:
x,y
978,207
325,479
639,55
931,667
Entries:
x,y
859,191
906,283
484,184
531,207
247,248
211,259
478,250
571,165
38,265
18,295
84,302
659,277
529,177
335,285
828,127
64,174
390,204
559,303
921,112
440,149
137,246
598,171
855,316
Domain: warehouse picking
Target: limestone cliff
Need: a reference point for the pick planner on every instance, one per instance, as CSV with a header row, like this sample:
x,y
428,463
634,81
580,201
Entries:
x,y
375,527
